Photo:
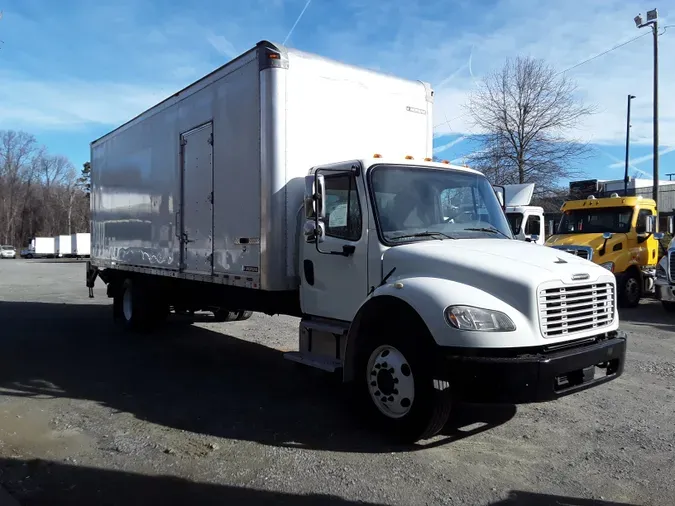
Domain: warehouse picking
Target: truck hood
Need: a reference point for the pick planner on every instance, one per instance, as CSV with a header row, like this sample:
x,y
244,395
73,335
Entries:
x,y
510,270
595,241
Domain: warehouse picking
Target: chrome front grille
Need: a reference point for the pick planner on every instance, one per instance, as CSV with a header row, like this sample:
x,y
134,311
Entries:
x,y
572,309
671,265
584,252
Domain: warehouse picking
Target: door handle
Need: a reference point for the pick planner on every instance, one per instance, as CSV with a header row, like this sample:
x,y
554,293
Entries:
x,y
176,228
348,249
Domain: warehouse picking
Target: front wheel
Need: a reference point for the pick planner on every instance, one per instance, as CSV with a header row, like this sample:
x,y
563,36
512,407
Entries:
x,y
668,306
630,290
397,390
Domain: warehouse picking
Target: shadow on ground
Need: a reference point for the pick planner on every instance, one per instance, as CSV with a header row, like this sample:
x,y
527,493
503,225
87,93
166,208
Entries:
x,y
42,483
649,314
193,379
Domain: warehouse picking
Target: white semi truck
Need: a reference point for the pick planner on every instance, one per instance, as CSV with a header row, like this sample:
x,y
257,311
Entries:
x,y
287,183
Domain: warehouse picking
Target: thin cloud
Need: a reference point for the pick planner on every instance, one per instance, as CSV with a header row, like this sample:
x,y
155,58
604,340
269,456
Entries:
x,y
642,159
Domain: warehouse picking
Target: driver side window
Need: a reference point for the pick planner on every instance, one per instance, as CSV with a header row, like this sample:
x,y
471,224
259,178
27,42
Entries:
x,y
343,211
533,225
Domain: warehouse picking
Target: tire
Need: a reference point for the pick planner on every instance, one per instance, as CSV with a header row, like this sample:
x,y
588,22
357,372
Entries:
x,y
223,315
669,307
244,315
630,290
395,388
135,308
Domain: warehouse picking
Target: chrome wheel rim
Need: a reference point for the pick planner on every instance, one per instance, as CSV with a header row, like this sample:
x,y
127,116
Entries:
x,y
390,382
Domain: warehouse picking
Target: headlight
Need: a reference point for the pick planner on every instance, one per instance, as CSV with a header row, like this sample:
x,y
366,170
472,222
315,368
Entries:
x,y
475,318
608,265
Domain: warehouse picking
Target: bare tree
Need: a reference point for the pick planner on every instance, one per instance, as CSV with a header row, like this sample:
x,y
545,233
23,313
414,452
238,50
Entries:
x,y
40,194
527,113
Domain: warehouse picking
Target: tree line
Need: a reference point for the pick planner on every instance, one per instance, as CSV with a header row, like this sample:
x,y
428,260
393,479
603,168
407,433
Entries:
x,y
41,194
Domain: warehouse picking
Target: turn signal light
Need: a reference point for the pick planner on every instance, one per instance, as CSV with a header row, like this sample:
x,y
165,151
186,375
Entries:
x,y
377,155
408,157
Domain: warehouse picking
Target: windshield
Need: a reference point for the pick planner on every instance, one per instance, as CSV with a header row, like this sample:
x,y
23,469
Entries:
x,y
417,203
515,220
590,221
8,247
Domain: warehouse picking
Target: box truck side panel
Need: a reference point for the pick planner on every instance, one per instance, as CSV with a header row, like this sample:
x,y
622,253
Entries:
x,y
135,193
44,246
336,111
149,191
65,245
236,216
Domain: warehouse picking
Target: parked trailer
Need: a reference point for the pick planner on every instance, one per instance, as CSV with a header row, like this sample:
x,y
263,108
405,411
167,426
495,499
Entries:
x,y
288,183
80,244
40,247
62,245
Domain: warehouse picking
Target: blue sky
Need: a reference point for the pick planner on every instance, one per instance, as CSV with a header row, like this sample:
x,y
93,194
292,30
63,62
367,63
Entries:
x,y
74,69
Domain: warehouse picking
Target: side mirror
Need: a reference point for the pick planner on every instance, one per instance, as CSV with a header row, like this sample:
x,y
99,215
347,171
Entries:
x,y
671,224
551,229
607,235
650,225
314,233
315,190
500,192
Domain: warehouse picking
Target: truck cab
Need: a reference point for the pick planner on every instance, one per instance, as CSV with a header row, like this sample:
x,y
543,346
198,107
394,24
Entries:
x,y
411,278
616,233
526,221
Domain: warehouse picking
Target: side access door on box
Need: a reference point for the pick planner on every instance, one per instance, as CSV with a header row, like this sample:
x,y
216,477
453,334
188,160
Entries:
x,y
196,210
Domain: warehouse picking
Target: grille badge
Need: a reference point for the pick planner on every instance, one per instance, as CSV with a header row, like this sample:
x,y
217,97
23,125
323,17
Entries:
x,y
580,276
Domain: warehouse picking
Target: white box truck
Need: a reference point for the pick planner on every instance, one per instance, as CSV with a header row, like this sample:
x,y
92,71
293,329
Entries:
x,y
40,247
80,244
62,245
287,183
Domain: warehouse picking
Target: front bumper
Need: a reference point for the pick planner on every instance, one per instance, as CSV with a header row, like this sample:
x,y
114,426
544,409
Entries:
x,y
532,375
665,292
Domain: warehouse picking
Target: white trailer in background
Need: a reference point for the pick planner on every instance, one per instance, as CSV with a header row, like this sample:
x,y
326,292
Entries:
x,y
527,222
62,246
80,244
287,183
40,247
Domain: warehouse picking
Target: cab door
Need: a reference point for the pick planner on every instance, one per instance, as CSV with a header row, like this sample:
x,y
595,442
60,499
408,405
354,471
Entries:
x,y
334,277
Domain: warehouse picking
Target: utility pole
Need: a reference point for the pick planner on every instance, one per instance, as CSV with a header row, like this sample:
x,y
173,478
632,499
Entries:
x,y
625,174
652,21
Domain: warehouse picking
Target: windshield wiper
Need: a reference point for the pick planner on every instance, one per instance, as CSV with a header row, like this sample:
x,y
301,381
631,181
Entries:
x,y
490,229
427,233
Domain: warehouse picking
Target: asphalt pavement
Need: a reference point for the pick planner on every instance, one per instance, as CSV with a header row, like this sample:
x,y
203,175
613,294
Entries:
x,y
210,413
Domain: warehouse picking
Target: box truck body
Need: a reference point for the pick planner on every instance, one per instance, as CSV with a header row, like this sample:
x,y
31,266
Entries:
x,y
230,188
288,183
44,246
63,245
80,244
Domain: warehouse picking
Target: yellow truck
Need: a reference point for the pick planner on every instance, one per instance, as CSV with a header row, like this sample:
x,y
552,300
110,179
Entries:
x,y
616,233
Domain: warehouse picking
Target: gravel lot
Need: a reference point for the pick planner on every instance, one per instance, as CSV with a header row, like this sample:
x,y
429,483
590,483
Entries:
x,y
211,414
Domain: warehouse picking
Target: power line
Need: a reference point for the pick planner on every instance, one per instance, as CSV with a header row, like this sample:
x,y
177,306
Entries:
x,y
570,68
603,53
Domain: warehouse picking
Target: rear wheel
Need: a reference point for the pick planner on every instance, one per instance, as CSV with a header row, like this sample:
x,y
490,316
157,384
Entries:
x,y
136,308
630,290
395,386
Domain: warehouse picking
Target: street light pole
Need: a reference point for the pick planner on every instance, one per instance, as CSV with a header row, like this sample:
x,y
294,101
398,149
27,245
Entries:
x,y
625,175
652,21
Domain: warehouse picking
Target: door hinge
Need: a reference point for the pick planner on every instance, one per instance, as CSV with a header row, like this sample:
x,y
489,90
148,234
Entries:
x,y
183,141
210,198
211,138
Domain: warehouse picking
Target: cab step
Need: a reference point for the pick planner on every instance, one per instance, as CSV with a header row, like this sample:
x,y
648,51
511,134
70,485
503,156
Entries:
x,y
324,363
